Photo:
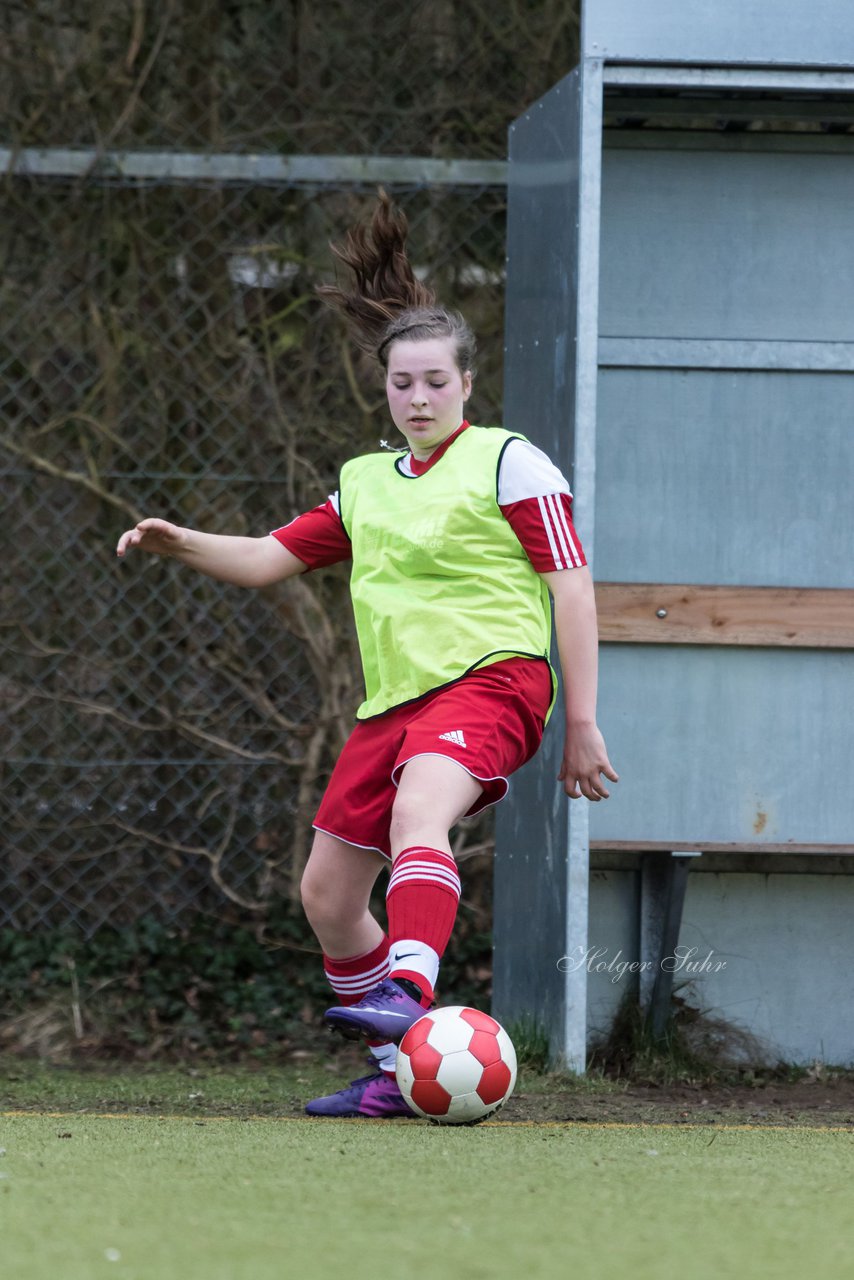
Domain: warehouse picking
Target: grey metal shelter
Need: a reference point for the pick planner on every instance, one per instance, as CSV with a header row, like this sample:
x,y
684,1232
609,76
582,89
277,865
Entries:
x,y
680,336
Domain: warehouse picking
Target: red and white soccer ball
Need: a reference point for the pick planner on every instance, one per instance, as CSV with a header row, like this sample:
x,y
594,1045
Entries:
x,y
456,1065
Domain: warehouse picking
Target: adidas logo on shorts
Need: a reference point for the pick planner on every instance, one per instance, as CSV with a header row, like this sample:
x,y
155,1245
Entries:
x,y
454,735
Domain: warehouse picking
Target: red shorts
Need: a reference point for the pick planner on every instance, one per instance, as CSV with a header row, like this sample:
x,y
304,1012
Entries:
x,y
490,722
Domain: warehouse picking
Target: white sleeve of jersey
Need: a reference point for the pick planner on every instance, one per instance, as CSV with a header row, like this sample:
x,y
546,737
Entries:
x,y
333,498
527,472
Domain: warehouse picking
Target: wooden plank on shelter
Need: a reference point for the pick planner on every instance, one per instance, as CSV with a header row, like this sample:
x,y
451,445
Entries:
x,y
668,613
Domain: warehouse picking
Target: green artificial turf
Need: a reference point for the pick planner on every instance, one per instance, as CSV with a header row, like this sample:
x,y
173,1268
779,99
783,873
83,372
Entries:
x,y
229,1090
263,1089
182,1198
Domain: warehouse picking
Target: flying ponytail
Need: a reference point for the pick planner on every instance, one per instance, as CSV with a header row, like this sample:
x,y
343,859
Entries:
x,y
386,301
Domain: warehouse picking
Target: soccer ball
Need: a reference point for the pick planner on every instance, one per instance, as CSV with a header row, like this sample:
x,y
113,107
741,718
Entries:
x,y
456,1066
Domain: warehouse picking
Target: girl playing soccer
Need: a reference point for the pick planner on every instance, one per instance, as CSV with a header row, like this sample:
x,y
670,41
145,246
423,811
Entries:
x,y
456,543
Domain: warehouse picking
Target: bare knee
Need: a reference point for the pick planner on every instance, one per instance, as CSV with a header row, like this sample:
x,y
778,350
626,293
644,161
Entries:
x,y
432,796
336,884
322,901
416,818
311,894
408,815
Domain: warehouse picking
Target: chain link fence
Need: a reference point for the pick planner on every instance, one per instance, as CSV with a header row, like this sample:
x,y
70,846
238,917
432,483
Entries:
x,y
162,351
431,77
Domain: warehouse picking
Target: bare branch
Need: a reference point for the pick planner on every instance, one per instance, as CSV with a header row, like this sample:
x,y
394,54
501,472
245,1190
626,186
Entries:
x,y
145,72
214,857
47,650
169,722
76,477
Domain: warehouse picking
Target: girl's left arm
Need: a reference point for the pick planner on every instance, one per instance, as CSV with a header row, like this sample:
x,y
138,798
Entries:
x,y
585,757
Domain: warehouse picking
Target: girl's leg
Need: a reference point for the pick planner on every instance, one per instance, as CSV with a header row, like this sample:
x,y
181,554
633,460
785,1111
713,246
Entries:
x,y
423,893
483,726
433,794
336,890
424,888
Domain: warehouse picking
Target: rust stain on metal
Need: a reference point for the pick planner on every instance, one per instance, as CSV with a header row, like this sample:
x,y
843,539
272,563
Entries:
x,y
759,822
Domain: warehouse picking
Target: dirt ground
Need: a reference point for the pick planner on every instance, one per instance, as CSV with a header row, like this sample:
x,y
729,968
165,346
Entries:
x,y
823,1097
815,1103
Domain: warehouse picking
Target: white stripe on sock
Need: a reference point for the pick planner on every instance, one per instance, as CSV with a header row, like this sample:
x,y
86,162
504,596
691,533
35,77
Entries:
x,y
428,869
357,983
422,849
407,876
432,882
425,868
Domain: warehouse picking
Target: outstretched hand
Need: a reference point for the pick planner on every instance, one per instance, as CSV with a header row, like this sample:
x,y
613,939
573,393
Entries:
x,y
159,537
585,759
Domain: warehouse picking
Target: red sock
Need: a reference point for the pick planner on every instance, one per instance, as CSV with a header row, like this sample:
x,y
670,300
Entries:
x,y
352,978
422,897
355,976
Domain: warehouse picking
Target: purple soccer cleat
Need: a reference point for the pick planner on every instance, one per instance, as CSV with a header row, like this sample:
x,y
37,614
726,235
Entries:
x,y
386,1013
375,1096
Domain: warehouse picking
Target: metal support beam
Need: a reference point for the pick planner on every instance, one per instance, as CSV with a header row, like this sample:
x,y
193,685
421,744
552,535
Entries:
x,y
727,79
189,166
584,472
664,877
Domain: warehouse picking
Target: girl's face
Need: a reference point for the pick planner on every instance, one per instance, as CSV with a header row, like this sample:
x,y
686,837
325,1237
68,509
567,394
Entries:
x,y
426,392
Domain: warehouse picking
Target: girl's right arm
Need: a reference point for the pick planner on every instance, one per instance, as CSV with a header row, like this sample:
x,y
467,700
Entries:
x,y
244,562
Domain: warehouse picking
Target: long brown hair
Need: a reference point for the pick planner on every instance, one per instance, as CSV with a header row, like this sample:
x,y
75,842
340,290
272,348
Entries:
x,y
386,301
